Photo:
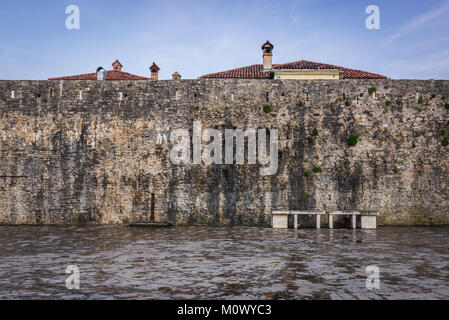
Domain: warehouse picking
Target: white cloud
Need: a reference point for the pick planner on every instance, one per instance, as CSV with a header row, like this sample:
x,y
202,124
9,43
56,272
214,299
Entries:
x,y
434,65
419,21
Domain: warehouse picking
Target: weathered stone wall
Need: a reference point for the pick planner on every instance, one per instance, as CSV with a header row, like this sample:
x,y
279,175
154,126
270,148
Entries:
x,y
73,152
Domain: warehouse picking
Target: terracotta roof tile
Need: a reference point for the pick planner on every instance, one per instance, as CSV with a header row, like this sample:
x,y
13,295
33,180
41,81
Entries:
x,y
256,71
110,75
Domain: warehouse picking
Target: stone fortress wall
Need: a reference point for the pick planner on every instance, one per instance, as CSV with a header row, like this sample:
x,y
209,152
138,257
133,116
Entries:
x,y
75,152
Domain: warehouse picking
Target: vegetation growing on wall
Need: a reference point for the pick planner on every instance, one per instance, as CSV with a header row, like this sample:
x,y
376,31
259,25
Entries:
x,y
266,108
316,169
339,170
353,139
445,140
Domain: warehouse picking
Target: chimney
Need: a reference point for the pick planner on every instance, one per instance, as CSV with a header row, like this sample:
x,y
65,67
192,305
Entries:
x,y
101,73
154,71
176,76
117,65
267,48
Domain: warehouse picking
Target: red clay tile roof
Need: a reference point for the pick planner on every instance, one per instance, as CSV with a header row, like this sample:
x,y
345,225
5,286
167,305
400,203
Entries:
x,y
110,75
256,71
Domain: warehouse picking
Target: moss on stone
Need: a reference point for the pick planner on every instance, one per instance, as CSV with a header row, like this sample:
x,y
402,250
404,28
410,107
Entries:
x,y
316,169
445,141
353,139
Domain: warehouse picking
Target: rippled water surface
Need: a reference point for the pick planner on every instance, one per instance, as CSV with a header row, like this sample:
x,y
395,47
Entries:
x,y
118,262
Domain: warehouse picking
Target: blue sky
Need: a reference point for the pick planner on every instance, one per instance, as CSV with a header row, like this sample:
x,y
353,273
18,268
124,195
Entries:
x,y
199,37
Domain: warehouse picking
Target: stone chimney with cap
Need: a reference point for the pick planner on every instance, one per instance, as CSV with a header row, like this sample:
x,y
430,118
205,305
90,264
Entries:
x,y
154,71
117,65
176,76
267,48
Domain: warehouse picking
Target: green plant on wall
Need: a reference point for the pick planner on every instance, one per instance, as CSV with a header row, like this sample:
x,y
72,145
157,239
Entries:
x,y
316,169
420,100
388,103
371,90
315,132
347,103
446,106
399,102
266,108
353,139
445,141
299,104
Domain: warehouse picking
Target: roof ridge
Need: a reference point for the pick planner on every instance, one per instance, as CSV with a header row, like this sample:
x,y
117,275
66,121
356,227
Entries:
x,y
255,71
315,62
93,74
359,70
280,64
343,68
234,69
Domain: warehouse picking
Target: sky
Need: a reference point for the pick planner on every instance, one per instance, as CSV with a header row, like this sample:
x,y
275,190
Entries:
x,y
205,36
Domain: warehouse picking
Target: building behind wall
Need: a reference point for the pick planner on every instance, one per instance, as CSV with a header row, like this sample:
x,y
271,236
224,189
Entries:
x,y
300,70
